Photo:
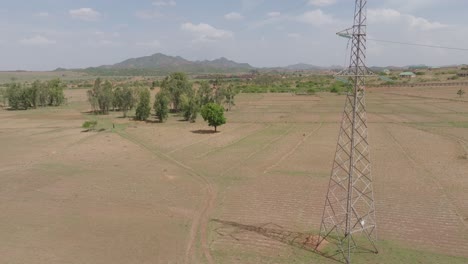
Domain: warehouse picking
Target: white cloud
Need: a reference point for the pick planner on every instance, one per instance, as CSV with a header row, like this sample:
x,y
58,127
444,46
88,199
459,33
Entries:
x,y
151,44
424,24
42,14
316,18
37,40
165,3
233,16
205,32
321,2
386,15
148,14
274,14
85,14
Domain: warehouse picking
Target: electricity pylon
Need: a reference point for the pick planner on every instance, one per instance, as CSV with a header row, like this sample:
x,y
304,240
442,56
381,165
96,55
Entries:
x,y
349,214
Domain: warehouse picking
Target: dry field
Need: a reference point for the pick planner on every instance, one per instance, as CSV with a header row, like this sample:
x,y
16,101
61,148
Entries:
x,y
174,193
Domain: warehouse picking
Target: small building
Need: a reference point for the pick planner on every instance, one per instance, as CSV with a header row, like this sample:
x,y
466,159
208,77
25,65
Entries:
x,y
386,71
407,75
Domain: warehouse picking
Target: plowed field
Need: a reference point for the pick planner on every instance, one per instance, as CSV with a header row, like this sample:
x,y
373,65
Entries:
x,y
253,193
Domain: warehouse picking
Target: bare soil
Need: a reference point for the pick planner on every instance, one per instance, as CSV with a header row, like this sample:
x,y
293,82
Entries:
x,y
253,193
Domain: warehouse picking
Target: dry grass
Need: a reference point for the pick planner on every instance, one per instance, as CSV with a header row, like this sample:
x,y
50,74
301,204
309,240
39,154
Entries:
x,y
150,193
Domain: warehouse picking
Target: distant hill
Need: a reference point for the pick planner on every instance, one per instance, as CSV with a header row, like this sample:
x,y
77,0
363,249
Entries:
x,y
162,64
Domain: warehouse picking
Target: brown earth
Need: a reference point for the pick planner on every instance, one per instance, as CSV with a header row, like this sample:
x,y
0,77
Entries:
x,y
253,193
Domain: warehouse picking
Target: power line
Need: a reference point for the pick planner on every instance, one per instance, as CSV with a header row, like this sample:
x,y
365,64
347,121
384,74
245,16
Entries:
x,y
418,44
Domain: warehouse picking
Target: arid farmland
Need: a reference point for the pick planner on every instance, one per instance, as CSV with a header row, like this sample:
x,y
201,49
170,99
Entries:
x,y
175,193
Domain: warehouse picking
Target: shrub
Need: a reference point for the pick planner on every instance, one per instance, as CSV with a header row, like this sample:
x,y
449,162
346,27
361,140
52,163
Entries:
x,y
90,125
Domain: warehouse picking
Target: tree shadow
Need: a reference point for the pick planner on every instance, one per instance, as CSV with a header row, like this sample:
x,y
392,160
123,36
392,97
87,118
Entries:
x,y
16,109
304,241
154,121
93,130
204,131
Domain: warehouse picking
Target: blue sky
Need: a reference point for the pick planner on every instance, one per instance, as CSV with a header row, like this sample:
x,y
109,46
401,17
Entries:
x,y
44,35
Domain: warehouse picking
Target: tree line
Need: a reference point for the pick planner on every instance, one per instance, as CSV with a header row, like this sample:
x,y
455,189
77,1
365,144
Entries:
x,y
37,94
177,95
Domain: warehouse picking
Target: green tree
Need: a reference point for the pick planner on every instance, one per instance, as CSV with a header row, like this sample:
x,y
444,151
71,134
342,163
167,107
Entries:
x,y
55,91
34,95
189,107
15,95
124,99
3,97
161,106
177,84
128,100
460,93
143,109
229,94
42,93
116,98
205,94
213,114
154,84
105,97
101,96
93,100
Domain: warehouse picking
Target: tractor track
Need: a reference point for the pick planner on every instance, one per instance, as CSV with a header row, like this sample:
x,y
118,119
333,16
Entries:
x,y
200,222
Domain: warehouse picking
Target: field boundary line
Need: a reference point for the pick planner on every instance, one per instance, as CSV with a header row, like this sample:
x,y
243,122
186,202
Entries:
x,y
267,145
304,139
233,143
426,97
432,177
202,140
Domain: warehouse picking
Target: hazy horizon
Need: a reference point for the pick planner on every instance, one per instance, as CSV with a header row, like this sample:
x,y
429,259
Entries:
x,y
54,34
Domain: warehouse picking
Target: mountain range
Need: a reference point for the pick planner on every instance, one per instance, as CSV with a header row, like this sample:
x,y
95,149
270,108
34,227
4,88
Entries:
x,y
161,64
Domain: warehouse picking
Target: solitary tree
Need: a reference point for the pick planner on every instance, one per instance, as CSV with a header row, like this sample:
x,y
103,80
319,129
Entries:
x,y
214,114
143,109
161,106
461,92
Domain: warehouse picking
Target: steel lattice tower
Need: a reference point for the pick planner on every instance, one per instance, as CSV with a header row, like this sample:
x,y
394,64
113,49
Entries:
x,y
349,214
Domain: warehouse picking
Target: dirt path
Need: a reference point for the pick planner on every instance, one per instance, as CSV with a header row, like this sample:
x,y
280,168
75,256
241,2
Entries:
x,y
200,222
